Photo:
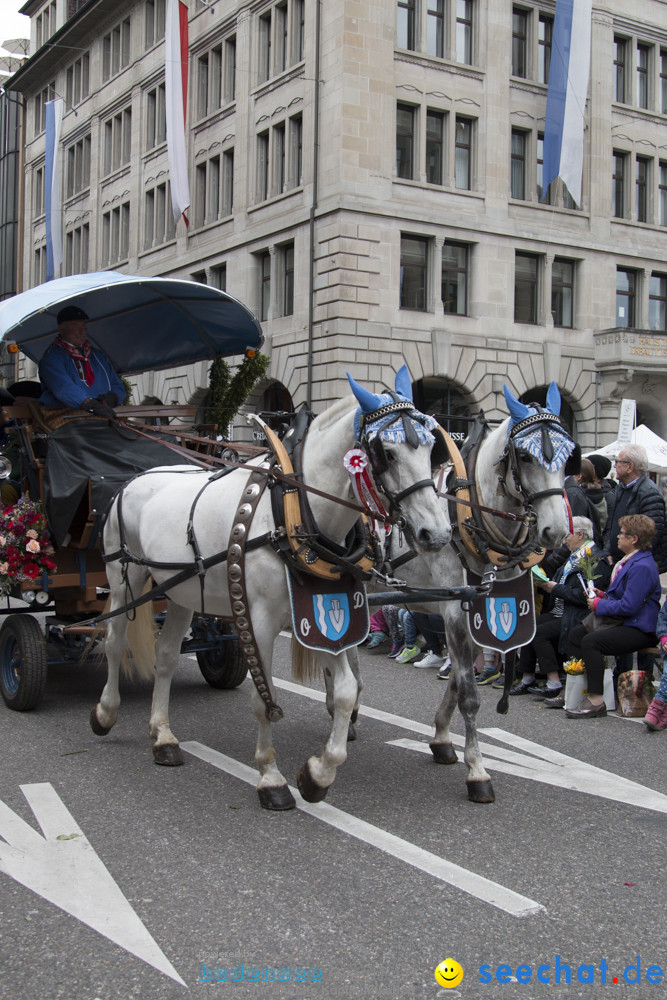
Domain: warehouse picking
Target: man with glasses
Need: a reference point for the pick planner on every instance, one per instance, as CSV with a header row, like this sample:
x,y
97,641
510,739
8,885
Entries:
x,y
636,494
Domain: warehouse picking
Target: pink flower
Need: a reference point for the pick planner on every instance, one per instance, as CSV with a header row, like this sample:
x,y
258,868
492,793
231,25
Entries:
x,y
4,569
33,546
32,533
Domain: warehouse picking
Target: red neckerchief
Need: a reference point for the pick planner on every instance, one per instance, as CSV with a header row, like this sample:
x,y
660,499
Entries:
x,y
79,357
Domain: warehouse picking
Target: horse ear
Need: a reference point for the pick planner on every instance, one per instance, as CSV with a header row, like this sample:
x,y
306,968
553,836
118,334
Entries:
x,y
553,399
367,400
518,410
403,383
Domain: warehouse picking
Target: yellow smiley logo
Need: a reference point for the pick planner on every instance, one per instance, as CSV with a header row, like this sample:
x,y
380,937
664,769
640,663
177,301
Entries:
x,y
449,973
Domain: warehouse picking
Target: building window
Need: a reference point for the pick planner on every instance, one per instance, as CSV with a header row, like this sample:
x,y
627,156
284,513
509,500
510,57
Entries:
x,y
76,250
279,155
405,141
281,37
45,24
156,117
463,154
38,204
542,196
519,42
620,62
414,272
641,189
296,150
406,24
117,141
41,100
78,167
263,166
116,50
518,164
227,200
264,284
464,29
662,193
618,185
77,86
115,243
159,225
155,21
230,69
525,288
39,266
299,29
663,81
643,56
545,32
657,302
216,77
207,192
265,47
454,278
435,141
219,277
626,291
435,28
562,292
287,264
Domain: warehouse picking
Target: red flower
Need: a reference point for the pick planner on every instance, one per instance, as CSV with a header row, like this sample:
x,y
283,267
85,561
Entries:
x,y
31,570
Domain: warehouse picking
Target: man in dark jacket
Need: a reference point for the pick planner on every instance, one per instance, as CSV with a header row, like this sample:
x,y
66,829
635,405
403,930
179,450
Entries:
x,y
636,494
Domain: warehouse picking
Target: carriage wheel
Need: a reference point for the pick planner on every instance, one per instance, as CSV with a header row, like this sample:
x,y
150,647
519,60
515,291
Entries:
x,y
23,662
224,666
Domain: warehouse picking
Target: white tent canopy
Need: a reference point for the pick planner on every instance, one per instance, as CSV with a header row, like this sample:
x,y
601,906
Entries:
x,y
656,448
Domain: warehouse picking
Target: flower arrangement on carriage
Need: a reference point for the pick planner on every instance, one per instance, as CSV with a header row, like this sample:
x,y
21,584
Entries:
x,y
25,545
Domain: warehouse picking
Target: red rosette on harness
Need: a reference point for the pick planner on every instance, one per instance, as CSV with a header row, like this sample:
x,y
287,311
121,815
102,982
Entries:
x,y
356,463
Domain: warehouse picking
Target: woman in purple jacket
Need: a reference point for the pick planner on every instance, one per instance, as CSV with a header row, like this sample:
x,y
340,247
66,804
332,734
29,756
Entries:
x,y
633,595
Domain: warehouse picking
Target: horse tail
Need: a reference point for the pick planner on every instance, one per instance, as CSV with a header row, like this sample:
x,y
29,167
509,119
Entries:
x,y
141,635
304,665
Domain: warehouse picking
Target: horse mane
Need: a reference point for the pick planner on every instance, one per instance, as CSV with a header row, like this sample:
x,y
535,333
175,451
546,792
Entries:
x,y
334,412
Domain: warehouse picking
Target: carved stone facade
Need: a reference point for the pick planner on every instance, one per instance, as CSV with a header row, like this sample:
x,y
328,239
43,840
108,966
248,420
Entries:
x,y
385,203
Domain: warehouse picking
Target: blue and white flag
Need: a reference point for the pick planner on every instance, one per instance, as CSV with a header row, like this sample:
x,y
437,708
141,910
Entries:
x,y
566,97
54,229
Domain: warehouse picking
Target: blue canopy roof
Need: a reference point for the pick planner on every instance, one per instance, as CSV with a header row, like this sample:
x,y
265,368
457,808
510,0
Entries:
x,y
141,324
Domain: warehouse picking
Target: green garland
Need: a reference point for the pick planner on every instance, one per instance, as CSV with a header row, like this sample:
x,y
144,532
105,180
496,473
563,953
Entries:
x,y
226,393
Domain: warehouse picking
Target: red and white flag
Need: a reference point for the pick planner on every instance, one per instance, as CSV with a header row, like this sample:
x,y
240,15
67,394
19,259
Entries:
x,y
176,90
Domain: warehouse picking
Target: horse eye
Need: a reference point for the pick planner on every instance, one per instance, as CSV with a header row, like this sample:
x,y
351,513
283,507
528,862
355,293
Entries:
x,y
525,456
390,456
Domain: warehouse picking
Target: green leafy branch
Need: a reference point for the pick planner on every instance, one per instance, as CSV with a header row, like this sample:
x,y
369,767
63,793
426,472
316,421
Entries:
x,y
228,393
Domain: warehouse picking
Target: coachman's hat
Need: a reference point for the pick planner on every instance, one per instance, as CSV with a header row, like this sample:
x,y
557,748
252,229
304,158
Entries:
x,y
70,313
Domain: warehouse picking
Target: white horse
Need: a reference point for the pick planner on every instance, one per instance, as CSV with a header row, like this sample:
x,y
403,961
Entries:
x,y
512,475
157,514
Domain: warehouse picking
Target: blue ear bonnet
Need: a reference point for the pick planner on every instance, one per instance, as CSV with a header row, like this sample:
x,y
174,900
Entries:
x,y
390,426
391,429
532,437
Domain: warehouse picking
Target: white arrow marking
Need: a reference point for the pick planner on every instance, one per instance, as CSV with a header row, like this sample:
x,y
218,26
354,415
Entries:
x,y
547,765
63,868
446,871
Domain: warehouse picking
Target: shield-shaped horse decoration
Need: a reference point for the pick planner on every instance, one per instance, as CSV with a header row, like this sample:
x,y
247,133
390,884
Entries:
x,y
505,619
331,616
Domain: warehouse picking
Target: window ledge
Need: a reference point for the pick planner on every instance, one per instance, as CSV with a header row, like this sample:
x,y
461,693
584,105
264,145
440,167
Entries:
x,y
275,198
196,230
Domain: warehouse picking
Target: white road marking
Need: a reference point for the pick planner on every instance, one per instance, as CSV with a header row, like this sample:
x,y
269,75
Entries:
x,y
63,868
546,765
445,871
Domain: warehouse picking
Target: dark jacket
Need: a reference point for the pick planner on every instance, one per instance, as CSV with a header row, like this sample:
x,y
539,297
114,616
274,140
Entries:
x,y
581,506
573,595
642,497
634,593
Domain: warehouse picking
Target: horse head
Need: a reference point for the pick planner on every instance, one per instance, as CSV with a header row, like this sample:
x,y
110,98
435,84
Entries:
x,y
399,441
537,447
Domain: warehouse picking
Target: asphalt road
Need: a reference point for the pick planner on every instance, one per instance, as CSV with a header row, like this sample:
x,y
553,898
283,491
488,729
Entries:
x,y
188,867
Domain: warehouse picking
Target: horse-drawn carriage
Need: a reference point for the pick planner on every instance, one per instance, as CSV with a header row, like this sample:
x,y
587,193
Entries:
x,y
73,463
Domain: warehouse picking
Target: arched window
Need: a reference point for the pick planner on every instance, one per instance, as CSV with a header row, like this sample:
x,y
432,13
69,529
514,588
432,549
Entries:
x,y
539,395
438,397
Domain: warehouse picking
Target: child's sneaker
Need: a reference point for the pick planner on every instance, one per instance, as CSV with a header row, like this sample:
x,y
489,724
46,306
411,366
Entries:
x,y
376,639
445,670
396,647
430,660
408,653
488,674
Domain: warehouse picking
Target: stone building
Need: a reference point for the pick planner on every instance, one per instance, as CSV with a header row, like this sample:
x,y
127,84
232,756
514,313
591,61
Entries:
x,y
367,178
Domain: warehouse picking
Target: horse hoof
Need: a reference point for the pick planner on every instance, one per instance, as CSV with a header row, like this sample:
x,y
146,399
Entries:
x,y
309,790
480,791
351,733
443,753
169,755
277,798
98,729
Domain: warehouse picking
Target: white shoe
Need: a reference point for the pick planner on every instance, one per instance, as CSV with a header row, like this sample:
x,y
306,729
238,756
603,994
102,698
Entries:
x,y
430,660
